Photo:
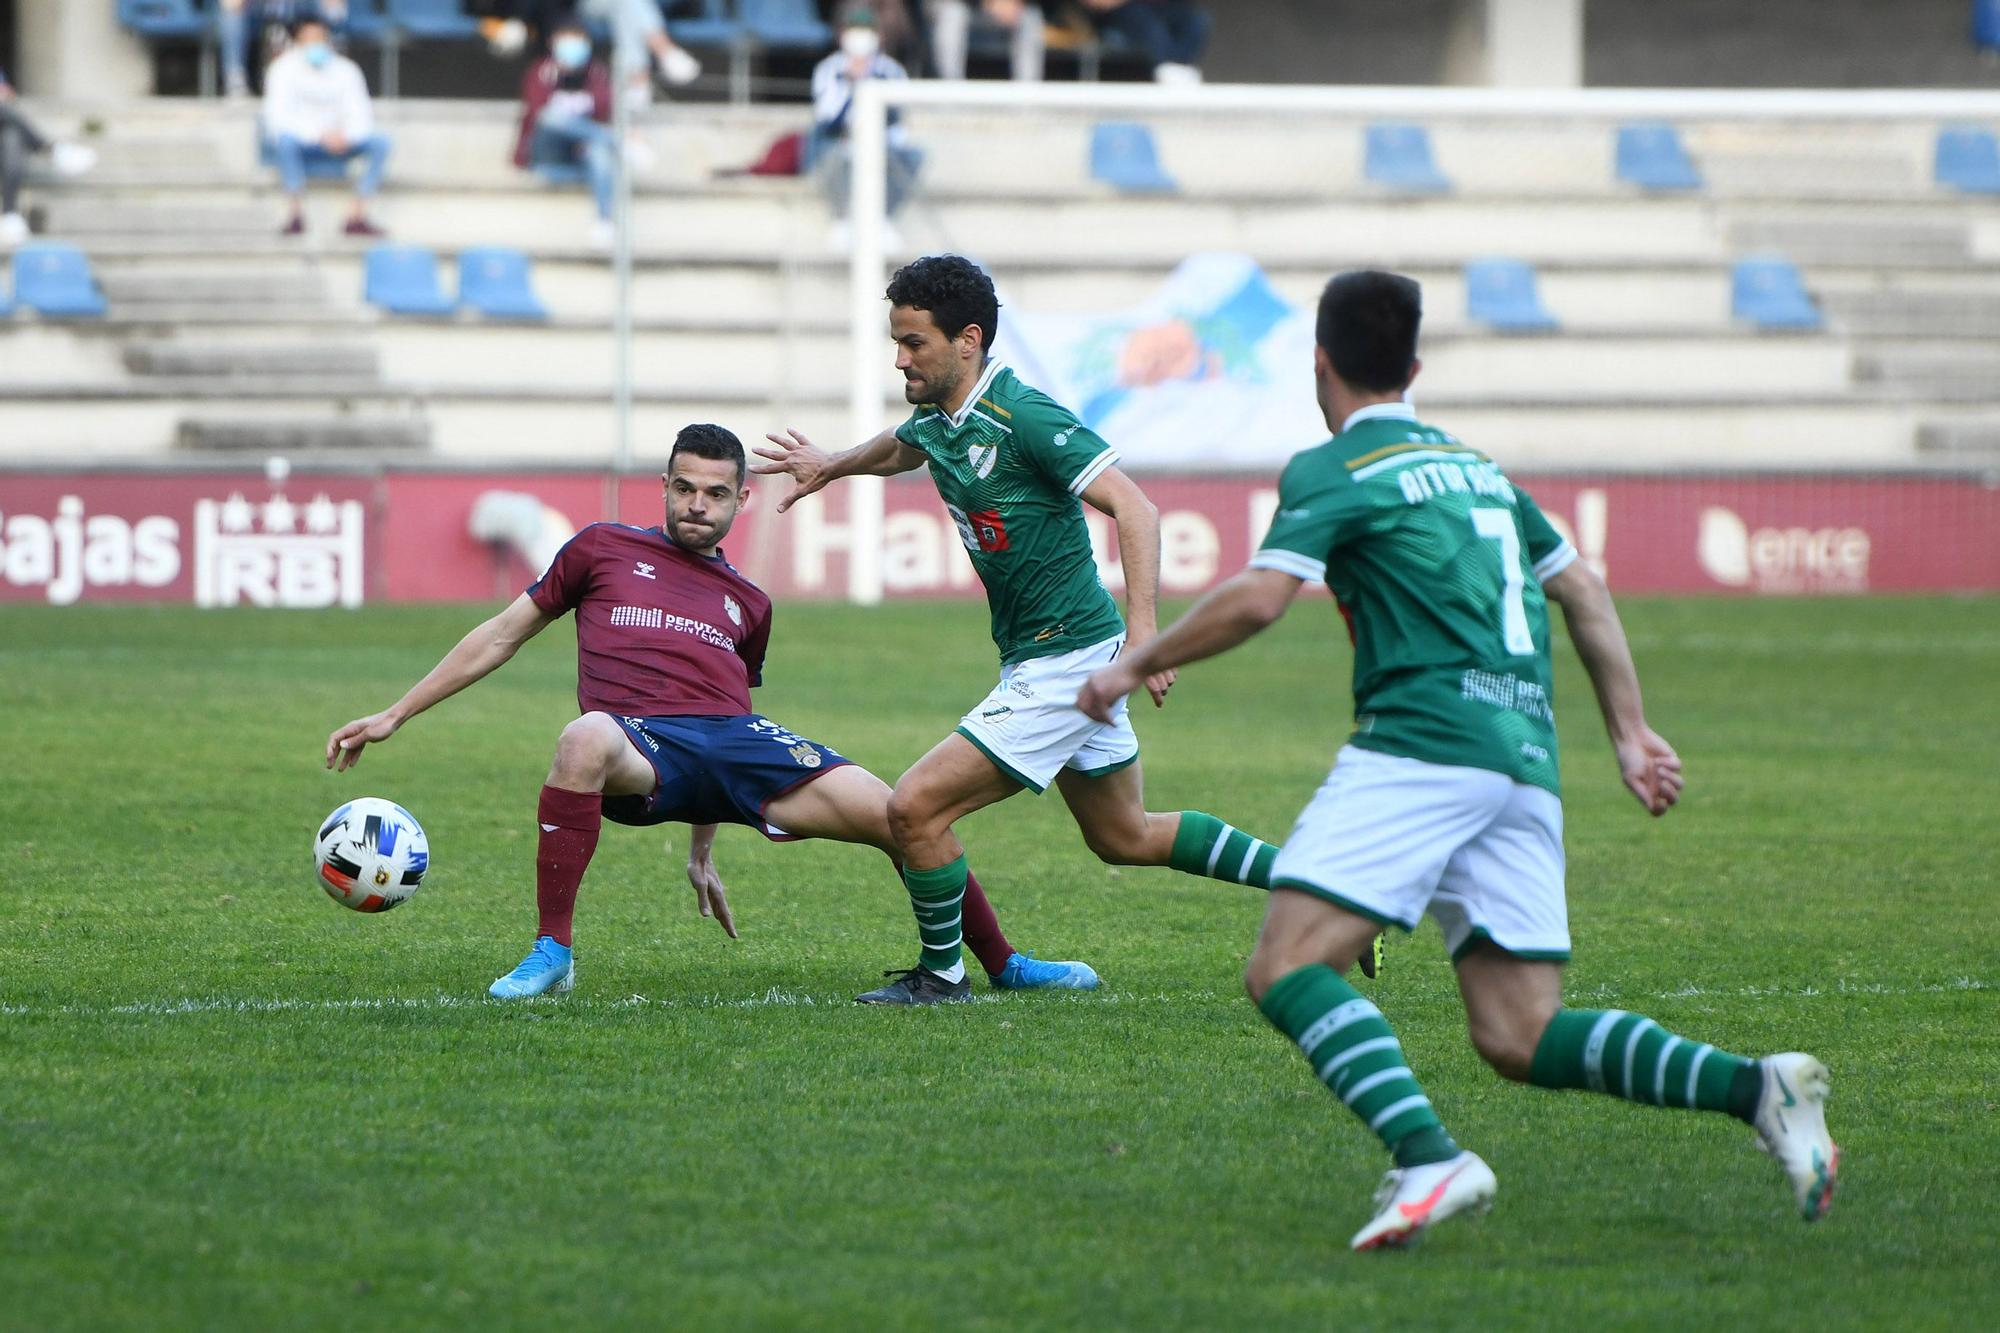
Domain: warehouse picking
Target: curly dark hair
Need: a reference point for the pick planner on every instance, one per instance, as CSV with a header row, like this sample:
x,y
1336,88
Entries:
x,y
704,440
955,290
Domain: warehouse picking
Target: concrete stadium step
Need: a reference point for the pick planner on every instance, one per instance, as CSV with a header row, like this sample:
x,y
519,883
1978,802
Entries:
x,y
261,360
310,436
1916,314
1973,441
80,216
1894,242
293,286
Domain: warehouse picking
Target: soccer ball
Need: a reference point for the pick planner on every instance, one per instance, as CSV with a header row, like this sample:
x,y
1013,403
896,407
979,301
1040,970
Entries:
x,y
371,855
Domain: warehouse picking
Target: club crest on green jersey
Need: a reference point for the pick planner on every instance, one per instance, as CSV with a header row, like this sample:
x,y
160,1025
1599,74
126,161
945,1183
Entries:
x,y
983,457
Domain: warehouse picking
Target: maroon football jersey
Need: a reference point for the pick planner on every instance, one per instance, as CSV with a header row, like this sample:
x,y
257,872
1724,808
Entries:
x,y
659,632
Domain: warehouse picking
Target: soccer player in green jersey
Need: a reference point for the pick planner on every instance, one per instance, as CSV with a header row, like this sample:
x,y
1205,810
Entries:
x,y
1445,797
1014,469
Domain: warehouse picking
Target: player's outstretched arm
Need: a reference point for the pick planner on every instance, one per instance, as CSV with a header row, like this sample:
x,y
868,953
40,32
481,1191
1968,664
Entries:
x,y
1231,612
1138,522
1651,769
811,467
709,898
478,653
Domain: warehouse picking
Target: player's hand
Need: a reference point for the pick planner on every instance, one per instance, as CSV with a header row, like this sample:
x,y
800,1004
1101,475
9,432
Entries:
x,y
1651,769
1106,686
794,456
709,898
1158,684
343,747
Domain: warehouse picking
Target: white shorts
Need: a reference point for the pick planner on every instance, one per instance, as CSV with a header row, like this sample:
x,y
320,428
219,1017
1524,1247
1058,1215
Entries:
x,y
1031,728
1391,838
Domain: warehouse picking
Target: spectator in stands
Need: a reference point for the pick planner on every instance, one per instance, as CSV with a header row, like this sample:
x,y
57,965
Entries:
x,y
316,111
828,152
901,36
509,21
566,121
237,20
20,140
1173,34
952,24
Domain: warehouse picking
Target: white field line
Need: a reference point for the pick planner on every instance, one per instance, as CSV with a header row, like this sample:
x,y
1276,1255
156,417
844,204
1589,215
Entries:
x,y
778,997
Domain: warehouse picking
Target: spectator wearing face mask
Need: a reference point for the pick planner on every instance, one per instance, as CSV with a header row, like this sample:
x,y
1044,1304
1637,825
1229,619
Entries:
x,y
316,111
828,152
566,121
238,20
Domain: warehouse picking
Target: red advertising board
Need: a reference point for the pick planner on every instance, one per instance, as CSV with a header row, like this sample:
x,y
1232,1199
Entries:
x,y
228,539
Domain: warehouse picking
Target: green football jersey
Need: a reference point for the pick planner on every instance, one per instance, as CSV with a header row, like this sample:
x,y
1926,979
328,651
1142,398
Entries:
x,y
1436,560
1009,467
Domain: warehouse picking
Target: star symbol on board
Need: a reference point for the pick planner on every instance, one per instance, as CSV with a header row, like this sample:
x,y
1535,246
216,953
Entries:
x,y
236,514
322,516
280,514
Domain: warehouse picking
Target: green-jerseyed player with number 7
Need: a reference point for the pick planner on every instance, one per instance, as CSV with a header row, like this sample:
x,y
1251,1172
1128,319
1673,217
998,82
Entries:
x,y
1445,799
1015,470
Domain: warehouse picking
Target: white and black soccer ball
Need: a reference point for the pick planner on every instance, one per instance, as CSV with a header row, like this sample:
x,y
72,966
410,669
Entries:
x,y
371,855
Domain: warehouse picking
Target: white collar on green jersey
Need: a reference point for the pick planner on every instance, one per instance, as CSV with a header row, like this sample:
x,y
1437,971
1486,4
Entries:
x,y
957,419
1403,411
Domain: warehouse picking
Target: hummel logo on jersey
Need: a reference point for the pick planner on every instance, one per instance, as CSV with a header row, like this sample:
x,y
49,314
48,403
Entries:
x,y
734,611
642,569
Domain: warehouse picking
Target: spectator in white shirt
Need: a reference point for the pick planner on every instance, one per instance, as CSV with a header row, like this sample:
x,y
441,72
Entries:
x,y
828,152
316,112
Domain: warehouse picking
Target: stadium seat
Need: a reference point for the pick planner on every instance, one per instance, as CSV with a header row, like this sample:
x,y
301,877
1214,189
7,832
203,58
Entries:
x,y
494,280
1768,291
1986,25
54,279
174,21
1652,157
1968,160
6,303
1124,156
1502,293
714,25
1399,156
785,25
432,20
403,279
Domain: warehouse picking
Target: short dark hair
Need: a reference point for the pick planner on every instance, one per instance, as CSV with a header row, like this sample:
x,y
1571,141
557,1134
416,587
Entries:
x,y
955,290
1367,326
309,18
705,440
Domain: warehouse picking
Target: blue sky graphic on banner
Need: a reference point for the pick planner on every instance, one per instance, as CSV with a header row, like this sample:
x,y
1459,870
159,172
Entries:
x,y
1214,370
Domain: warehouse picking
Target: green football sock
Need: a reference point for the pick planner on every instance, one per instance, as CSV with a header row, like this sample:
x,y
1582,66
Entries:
x,y
1631,1056
1204,845
1351,1048
938,897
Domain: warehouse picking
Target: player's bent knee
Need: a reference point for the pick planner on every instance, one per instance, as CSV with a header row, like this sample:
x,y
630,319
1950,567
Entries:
x,y
1508,1050
587,746
911,816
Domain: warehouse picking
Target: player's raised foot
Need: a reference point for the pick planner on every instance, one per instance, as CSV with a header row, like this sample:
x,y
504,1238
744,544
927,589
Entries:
x,y
1024,971
1415,1198
1791,1126
1371,957
917,985
547,970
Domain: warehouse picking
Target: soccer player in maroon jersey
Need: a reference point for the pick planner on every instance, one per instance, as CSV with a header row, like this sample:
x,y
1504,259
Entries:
x,y
669,640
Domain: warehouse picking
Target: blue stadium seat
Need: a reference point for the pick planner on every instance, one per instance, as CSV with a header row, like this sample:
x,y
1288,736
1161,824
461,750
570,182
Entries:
x,y
715,25
1768,291
1968,159
1124,156
1986,25
1652,157
403,279
494,280
1399,156
792,25
167,18
55,279
432,20
1503,294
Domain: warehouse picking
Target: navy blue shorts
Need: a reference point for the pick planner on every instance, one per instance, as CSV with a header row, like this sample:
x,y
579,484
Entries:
x,y
719,770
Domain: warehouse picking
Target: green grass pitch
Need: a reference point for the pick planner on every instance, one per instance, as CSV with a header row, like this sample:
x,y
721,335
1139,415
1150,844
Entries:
x,y
227,1103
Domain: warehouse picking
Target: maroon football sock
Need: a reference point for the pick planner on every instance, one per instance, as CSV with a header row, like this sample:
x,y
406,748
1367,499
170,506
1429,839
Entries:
x,y
570,821
979,926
